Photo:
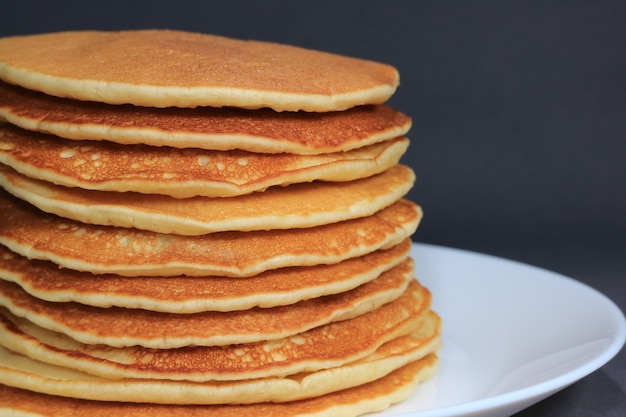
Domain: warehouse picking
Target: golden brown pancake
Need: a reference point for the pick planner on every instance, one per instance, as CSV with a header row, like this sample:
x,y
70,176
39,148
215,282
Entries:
x,y
104,249
295,206
279,358
127,327
21,372
115,184
184,295
160,68
263,130
371,397
107,166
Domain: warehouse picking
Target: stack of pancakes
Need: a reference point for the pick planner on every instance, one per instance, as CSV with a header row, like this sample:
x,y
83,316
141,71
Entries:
x,y
196,224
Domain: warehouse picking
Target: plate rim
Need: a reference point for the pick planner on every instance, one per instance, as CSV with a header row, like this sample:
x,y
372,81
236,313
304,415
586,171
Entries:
x,y
535,392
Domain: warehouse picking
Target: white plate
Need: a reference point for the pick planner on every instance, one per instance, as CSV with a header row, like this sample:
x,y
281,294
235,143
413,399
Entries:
x,y
513,334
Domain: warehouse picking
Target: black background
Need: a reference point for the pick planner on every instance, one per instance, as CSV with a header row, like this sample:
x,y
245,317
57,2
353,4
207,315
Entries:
x,y
519,120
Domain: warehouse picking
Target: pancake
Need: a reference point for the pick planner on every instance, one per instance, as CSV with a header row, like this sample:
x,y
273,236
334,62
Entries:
x,y
173,158
295,206
308,352
110,364
184,295
107,166
129,252
21,372
161,68
353,402
263,130
123,327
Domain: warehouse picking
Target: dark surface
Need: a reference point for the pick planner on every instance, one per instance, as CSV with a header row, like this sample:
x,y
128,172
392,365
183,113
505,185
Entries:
x,y
519,111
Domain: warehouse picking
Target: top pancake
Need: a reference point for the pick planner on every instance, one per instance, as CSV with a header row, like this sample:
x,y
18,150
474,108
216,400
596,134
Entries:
x,y
263,130
163,68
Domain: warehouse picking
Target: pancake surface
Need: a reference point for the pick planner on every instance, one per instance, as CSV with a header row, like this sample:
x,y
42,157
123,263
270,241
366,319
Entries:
x,y
103,249
263,130
123,327
307,352
184,295
196,220
180,364
180,69
107,166
371,397
295,206
21,372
